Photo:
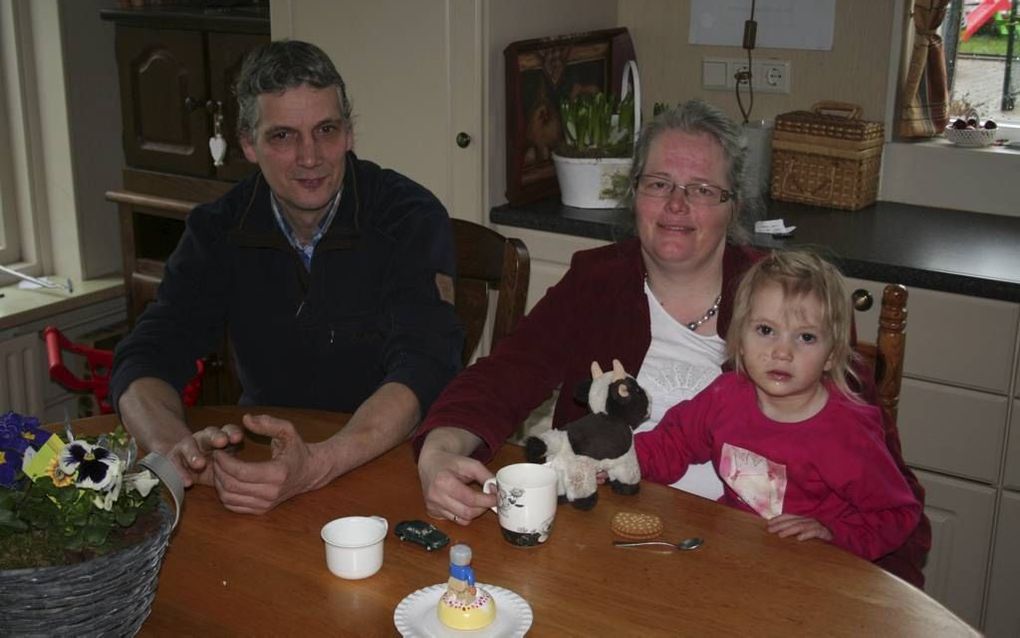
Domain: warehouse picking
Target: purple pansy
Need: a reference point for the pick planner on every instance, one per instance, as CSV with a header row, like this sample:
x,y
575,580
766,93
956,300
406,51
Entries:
x,y
96,466
10,463
18,433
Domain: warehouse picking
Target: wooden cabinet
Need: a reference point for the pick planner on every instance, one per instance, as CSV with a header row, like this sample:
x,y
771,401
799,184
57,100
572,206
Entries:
x,y
1003,616
961,514
955,426
173,84
177,66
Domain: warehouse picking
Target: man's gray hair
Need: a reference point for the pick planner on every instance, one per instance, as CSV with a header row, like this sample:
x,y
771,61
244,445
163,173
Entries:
x,y
697,116
281,65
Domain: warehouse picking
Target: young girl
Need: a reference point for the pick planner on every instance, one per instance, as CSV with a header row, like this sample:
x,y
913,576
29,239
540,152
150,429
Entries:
x,y
786,434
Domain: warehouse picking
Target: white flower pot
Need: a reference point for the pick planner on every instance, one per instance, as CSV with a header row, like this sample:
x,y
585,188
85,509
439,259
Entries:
x,y
588,183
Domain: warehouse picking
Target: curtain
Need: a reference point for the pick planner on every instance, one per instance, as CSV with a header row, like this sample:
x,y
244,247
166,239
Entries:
x,y
924,92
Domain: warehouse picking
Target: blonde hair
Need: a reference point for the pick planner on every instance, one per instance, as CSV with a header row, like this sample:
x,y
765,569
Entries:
x,y
801,273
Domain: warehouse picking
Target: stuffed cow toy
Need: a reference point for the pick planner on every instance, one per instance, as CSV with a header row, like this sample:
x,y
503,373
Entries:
x,y
603,440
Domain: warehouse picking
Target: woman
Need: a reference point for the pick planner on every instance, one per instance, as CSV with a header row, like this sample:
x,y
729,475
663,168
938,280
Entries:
x,y
657,302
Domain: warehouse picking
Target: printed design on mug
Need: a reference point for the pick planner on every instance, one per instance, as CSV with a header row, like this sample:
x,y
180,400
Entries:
x,y
758,481
545,529
528,537
512,498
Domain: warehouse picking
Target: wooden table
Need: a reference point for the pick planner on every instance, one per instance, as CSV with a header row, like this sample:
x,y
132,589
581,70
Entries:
x,y
232,574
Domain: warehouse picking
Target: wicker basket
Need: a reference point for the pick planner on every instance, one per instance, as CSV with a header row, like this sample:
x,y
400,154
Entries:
x,y
827,156
110,595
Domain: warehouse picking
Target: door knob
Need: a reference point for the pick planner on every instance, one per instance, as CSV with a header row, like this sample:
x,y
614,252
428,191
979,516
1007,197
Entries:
x,y
862,299
463,139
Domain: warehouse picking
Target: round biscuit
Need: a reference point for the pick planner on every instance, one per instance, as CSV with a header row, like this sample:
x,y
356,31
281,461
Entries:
x,y
636,526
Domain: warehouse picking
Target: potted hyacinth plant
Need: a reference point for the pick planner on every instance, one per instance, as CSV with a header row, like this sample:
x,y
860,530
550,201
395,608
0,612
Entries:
x,y
593,161
79,529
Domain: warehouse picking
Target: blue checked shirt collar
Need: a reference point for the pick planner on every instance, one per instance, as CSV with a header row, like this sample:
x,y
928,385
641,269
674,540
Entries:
x,y
305,250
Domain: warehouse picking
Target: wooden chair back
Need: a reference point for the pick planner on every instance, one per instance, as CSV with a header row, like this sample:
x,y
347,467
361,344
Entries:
x,y
488,261
885,354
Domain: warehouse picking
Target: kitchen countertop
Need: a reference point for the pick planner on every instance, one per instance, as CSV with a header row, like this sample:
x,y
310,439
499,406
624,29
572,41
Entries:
x,y
938,249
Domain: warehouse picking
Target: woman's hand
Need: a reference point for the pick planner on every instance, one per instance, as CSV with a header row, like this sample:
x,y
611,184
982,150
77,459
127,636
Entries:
x,y
445,471
800,526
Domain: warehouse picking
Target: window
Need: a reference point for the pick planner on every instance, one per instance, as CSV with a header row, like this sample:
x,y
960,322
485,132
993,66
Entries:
x,y
936,173
30,160
982,43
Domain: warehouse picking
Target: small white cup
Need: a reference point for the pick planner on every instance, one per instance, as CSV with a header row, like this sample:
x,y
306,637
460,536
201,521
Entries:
x,y
354,545
527,502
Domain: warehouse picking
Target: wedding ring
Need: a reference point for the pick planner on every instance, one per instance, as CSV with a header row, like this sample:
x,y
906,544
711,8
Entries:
x,y
454,519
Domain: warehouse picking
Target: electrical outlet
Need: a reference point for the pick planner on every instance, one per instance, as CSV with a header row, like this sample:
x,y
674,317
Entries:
x,y
767,75
776,76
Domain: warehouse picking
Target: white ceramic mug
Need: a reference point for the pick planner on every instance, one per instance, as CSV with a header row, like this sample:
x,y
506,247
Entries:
x,y
354,545
527,502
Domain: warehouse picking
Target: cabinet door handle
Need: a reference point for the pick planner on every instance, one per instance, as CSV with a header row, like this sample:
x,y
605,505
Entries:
x,y
862,300
193,104
463,139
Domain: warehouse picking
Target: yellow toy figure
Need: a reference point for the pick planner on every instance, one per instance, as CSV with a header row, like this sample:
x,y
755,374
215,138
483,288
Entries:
x,y
464,605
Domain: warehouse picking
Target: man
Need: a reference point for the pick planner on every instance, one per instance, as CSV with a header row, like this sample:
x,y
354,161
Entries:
x,y
333,278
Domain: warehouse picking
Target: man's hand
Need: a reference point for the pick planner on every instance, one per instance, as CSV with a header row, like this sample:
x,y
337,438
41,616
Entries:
x,y
191,454
800,526
151,411
445,477
257,487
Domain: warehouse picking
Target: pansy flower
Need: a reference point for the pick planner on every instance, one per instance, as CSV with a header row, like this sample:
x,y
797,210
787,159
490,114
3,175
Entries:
x,y
10,463
18,432
96,467
60,479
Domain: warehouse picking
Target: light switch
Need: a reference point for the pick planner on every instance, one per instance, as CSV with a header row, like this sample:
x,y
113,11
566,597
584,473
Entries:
x,y
713,73
768,75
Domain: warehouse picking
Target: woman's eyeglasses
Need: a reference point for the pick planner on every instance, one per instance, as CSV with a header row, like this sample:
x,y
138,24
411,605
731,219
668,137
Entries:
x,y
698,194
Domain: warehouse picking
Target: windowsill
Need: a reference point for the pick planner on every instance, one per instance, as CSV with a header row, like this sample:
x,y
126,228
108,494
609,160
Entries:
x,y
20,306
940,174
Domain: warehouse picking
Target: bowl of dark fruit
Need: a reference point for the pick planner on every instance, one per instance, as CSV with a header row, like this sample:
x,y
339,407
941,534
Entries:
x,y
970,132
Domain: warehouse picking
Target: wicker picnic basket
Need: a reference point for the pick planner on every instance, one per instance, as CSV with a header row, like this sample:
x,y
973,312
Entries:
x,y
827,156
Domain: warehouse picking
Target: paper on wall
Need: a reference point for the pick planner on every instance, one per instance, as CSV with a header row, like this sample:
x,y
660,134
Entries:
x,y
782,24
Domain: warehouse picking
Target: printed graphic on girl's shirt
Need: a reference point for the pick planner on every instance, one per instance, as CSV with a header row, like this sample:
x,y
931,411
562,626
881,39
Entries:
x,y
757,481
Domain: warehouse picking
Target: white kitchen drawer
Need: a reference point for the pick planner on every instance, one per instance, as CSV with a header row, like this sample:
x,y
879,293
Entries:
x,y
966,341
550,256
952,430
961,520
1002,616
1012,478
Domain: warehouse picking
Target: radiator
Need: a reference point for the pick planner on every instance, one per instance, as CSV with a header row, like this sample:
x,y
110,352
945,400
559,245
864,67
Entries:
x,y
22,375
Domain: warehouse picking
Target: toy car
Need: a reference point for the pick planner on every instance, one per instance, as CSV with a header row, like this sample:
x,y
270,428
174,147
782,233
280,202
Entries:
x,y
425,534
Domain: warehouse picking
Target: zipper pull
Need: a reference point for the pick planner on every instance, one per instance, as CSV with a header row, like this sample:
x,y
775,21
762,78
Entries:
x,y
330,336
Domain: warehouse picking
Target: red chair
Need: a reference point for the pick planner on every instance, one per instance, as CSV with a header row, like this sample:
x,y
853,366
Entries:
x,y
100,363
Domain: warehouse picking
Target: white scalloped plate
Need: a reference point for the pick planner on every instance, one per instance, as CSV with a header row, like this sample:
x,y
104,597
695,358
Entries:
x,y
416,617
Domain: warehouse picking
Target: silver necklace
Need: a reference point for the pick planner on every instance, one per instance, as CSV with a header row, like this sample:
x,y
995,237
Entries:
x,y
712,311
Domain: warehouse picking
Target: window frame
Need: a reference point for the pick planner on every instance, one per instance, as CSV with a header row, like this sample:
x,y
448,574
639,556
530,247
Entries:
x,y
10,233
934,172
23,202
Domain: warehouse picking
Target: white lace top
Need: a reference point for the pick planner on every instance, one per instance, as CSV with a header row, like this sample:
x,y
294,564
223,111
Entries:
x,y
679,364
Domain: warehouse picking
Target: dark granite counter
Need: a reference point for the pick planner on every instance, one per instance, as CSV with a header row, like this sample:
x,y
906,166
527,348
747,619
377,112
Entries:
x,y
939,249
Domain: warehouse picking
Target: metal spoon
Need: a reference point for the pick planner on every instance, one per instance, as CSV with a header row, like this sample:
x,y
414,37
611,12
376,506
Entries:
x,y
686,544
